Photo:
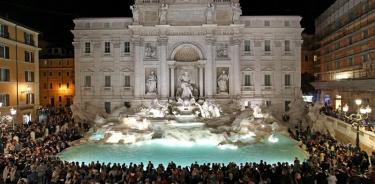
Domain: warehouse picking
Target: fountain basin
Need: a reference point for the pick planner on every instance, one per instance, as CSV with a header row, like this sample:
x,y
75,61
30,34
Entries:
x,y
184,153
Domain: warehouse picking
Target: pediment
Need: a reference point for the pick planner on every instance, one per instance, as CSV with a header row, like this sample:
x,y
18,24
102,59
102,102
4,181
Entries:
x,y
268,68
126,69
288,68
87,70
106,70
248,69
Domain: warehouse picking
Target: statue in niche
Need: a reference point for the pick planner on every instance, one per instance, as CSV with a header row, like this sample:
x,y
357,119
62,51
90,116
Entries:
x,y
237,12
209,13
135,12
151,83
150,51
186,89
163,13
222,82
221,51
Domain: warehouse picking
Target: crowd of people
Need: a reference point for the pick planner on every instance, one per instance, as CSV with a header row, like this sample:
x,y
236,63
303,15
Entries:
x,y
29,156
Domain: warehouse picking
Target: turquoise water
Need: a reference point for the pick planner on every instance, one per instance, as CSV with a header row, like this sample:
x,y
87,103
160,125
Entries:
x,y
158,151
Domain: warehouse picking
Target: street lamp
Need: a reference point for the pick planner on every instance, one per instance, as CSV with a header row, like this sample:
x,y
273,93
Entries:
x,y
358,117
13,113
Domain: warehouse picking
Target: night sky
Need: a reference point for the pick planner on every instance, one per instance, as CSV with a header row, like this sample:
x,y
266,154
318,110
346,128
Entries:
x,y
53,18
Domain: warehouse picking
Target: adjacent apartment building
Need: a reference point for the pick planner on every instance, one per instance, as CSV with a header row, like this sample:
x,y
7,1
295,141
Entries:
x,y
346,36
19,70
56,81
56,77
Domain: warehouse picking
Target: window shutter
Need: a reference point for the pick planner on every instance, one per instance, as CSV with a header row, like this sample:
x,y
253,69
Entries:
x,y
26,78
32,98
7,75
2,51
6,52
6,100
27,98
32,77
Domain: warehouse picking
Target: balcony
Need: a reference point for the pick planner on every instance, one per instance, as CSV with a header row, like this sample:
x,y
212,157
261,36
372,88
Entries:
x,y
30,42
4,35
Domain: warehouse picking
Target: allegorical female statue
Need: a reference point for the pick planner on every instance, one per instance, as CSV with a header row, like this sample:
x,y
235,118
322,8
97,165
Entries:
x,y
135,12
151,83
222,82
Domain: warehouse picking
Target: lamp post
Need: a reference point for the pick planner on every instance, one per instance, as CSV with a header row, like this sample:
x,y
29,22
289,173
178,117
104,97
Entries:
x,y
13,113
357,118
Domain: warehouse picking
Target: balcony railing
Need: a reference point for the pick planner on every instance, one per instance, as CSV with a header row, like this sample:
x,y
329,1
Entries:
x,y
30,42
4,34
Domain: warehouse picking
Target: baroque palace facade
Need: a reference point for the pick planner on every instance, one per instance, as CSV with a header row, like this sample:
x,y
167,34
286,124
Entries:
x,y
187,48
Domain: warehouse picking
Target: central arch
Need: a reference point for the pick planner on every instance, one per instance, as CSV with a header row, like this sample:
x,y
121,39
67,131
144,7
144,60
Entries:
x,y
186,63
186,52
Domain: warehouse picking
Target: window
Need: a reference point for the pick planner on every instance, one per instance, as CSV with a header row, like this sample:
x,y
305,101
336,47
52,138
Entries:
x,y
127,81
247,46
350,62
127,47
107,82
67,73
287,79
4,75
107,47
267,80
287,105
247,80
60,99
59,85
306,58
50,86
44,74
50,73
287,45
364,34
337,64
267,45
29,38
4,99
67,85
87,47
4,52
365,58
350,39
267,23
268,103
29,57
30,98
87,81
107,106
4,31
337,45
29,76
286,23
59,73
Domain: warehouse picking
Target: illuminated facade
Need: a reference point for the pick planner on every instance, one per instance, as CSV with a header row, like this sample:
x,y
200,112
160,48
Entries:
x,y
56,78
116,58
346,36
19,69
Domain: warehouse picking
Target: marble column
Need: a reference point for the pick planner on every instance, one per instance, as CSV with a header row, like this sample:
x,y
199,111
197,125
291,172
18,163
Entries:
x,y
236,75
172,67
162,41
201,80
138,68
209,67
